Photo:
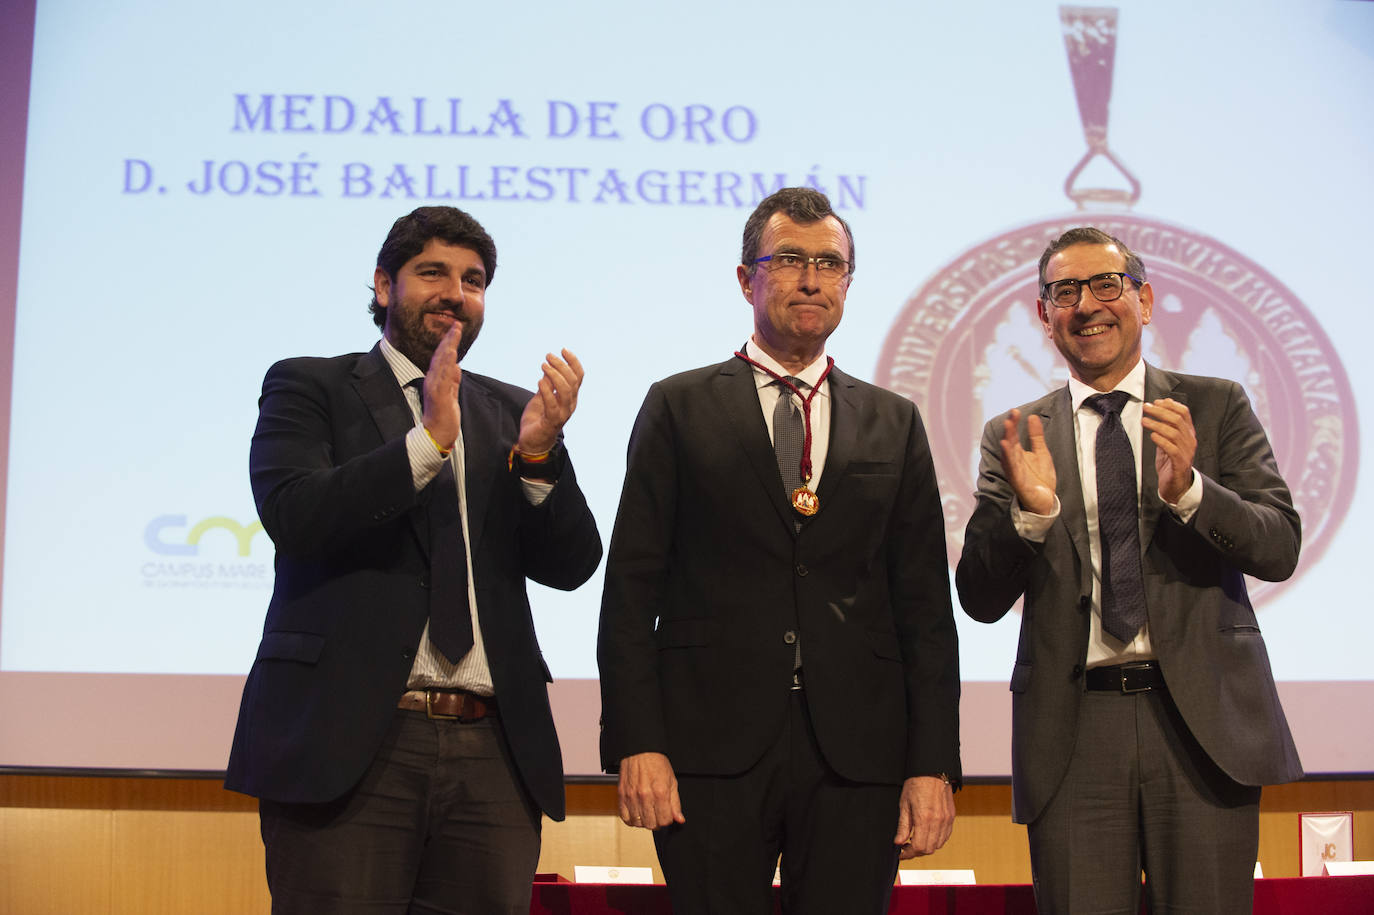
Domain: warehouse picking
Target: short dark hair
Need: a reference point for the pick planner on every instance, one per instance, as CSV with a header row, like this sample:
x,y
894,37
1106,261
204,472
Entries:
x,y
802,205
1088,235
410,234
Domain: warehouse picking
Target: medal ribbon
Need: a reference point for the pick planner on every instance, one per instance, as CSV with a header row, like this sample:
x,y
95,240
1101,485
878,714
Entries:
x,y
1090,41
806,405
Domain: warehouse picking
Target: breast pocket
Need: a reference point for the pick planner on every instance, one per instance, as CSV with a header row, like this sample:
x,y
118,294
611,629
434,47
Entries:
x,y
863,468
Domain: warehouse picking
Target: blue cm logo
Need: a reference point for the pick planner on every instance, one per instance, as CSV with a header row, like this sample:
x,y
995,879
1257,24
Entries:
x,y
160,539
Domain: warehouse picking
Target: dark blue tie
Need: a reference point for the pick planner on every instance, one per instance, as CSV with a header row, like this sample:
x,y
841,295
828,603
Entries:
x,y
1118,521
450,617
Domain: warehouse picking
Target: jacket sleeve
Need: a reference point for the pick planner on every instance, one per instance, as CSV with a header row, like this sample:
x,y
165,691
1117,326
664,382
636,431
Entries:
x,y
309,503
1246,515
559,541
636,577
918,566
994,567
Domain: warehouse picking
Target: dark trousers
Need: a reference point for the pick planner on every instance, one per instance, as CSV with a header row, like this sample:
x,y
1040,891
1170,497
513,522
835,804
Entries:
x,y
1140,794
439,824
835,836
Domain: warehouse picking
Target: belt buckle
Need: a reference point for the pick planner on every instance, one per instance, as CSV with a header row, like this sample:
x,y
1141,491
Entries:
x,y
429,709
1131,668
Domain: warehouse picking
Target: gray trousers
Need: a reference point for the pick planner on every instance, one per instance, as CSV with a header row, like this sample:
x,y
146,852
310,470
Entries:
x,y
1141,795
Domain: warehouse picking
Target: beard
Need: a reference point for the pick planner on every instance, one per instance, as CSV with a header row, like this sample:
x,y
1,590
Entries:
x,y
407,331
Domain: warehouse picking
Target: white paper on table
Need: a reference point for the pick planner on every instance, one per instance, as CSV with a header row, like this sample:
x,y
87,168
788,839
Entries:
x,y
926,877
585,874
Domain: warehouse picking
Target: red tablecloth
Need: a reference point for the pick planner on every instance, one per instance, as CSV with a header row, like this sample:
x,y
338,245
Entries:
x,y
1292,896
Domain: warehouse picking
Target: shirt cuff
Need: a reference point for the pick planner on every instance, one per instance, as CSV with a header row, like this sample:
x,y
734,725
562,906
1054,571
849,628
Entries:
x,y
1031,526
425,459
536,491
1189,502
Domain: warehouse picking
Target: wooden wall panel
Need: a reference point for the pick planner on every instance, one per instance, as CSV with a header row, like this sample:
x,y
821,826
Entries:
x,y
168,861
1279,809
593,835
54,861
984,839
156,846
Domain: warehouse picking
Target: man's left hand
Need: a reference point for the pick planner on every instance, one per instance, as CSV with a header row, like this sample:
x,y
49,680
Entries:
x,y
552,404
1171,429
925,816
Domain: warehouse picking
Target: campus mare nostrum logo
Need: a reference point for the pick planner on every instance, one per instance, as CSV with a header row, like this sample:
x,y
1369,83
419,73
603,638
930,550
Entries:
x,y
217,551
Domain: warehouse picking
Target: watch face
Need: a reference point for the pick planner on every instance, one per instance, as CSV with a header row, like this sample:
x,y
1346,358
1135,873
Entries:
x,y
968,345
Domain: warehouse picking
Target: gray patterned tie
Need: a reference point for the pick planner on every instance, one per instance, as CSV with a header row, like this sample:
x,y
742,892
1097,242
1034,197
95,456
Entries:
x,y
788,433
1118,521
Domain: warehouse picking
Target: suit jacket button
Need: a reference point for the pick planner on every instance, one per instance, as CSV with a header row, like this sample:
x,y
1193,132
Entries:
x,y
407,654
424,581
789,637
802,570
1085,603
1077,671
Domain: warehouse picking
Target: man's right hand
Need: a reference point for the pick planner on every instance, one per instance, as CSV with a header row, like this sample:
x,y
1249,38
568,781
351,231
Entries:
x,y
648,791
441,389
1030,473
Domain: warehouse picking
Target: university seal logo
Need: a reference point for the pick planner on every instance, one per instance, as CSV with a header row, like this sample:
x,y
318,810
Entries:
x,y
968,345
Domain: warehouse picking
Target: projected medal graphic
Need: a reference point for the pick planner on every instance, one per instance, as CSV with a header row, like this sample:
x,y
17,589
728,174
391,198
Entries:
x,y
967,345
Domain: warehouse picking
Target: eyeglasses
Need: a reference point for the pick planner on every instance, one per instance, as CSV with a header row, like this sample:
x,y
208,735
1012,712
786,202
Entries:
x,y
1106,287
790,266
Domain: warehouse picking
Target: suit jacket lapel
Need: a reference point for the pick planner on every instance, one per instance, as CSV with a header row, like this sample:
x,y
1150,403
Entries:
x,y
1060,437
738,396
376,386
845,412
482,423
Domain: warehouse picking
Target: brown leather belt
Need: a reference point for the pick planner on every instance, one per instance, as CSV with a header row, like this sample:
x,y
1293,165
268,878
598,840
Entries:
x,y
1136,677
448,704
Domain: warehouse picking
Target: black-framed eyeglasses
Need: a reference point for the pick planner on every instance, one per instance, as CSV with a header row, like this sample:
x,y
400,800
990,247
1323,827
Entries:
x,y
1106,287
791,265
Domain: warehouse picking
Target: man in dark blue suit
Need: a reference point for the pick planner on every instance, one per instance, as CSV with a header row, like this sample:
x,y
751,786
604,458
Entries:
x,y
395,724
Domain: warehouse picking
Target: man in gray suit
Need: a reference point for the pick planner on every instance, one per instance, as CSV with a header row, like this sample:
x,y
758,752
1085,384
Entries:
x,y
1145,716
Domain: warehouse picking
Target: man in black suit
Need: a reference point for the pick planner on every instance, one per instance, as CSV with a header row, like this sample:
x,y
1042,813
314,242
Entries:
x,y
396,721
1145,716
779,663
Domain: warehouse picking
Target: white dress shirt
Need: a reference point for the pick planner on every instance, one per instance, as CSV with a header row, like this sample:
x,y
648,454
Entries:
x,y
431,667
769,392
1103,648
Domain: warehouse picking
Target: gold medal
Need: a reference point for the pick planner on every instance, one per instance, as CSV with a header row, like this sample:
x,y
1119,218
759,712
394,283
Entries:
x,y
803,500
